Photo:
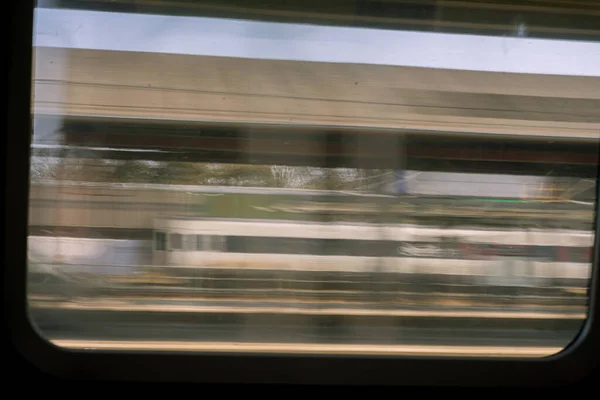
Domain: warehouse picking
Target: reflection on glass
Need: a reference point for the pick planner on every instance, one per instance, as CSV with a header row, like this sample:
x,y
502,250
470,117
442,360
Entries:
x,y
292,204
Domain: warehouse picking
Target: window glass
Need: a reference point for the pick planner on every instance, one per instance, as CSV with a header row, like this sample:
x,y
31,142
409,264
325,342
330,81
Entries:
x,y
160,241
176,241
413,187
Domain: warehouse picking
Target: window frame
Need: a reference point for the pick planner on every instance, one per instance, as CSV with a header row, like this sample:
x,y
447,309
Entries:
x,y
572,364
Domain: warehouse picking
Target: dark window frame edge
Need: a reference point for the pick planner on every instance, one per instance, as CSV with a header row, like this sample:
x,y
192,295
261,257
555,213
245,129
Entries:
x,y
572,364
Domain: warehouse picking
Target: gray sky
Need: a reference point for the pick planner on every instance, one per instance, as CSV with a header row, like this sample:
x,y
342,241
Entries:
x,y
235,38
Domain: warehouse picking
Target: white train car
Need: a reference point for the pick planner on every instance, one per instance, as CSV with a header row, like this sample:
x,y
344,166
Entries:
x,y
301,246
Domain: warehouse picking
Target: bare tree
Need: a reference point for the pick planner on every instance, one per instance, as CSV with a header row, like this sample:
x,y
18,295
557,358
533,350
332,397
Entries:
x,y
43,168
290,177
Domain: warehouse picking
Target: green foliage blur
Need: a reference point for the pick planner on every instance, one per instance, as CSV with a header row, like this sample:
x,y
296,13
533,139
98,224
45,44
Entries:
x,y
209,174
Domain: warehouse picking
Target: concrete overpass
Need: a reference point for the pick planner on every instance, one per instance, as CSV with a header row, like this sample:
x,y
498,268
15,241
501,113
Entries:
x,y
263,111
75,83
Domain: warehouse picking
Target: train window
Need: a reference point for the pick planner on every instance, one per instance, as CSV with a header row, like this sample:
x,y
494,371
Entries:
x,y
161,241
209,243
218,243
176,241
189,242
353,181
200,239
